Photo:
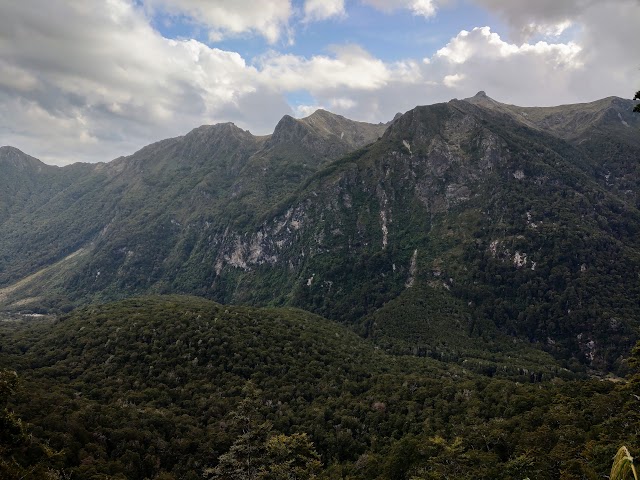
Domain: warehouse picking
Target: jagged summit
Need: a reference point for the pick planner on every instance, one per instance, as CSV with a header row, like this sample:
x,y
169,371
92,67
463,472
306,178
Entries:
x,y
325,131
481,98
421,123
17,158
322,113
288,129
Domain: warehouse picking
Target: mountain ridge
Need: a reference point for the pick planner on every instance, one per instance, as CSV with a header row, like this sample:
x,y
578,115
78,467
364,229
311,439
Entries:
x,y
471,204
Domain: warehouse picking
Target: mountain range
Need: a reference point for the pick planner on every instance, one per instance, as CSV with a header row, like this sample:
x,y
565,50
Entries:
x,y
455,226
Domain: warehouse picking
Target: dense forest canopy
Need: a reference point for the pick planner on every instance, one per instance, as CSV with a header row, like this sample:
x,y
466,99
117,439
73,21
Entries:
x,y
182,387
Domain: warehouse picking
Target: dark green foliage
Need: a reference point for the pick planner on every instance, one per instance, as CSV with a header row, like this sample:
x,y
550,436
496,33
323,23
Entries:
x,y
258,453
21,456
173,387
637,97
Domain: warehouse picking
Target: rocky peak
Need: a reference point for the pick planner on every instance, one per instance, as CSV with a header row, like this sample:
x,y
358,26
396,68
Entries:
x,y
321,113
297,149
222,138
481,99
419,125
287,130
324,133
15,158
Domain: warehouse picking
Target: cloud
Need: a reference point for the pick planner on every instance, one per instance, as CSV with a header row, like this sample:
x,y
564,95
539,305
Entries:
x,y
351,68
323,9
547,17
469,62
302,111
424,8
605,30
546,30
481,43
89,81
451,81
81,75
516,72
359,86
268,18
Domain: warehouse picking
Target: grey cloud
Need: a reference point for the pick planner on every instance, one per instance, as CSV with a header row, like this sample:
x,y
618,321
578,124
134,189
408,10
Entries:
x,y
96,81
258,111
90,81
521,14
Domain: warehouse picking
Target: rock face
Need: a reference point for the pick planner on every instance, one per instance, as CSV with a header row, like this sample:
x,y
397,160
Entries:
x,y
494,218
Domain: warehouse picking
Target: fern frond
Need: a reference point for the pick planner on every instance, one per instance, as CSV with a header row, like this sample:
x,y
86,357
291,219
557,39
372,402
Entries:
x,y
623,466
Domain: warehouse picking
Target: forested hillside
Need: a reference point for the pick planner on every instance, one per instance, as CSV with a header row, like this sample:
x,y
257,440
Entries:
x,y
179,387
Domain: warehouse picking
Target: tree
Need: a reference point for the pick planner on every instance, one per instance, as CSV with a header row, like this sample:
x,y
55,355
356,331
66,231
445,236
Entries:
x,y
21,455
259,454
246,455
637,97
290,457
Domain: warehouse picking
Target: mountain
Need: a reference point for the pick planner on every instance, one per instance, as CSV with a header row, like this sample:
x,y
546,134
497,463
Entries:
x,y
606,129
18,181
576,122
464,220
140,203
26,182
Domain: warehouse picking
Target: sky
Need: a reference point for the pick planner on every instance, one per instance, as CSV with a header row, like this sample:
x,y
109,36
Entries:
x,y
91,80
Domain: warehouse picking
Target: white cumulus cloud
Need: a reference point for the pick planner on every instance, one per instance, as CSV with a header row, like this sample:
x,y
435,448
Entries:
x,y
268,18
351,67
424,8
482,43
323,9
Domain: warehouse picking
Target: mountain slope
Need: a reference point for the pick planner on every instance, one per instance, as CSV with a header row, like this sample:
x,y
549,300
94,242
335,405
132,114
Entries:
x,y
506,218
26,182
295,151
502,220
603,130
141,203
